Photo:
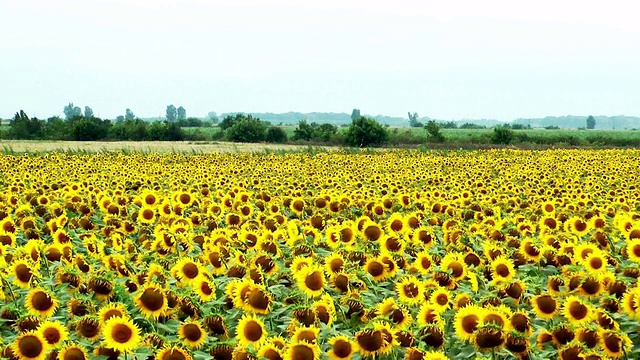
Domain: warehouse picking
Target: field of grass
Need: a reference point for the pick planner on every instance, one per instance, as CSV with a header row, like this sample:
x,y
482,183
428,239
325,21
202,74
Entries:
x,y
41,146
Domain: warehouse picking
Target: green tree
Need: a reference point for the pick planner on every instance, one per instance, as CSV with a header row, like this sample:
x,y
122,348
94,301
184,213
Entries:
x,y
71,111
88,112
413,120
355,113
172,113
365,131
304,131
276,134
182,113
120,118
129,115
591,122
502,135
24,128
213,116
433,129
248,129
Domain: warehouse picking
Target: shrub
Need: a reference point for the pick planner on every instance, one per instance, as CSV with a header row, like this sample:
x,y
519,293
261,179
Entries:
x,y
247,130
502,135
89,129
433,129
276,135
365,131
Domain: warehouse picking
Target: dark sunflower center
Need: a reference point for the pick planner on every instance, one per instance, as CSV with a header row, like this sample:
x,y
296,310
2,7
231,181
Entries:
x,y
121,333
546,304
205,288
41,301
190,270
372,233
342,348
375,269
456,269
520,322
308,336
336,265
174,355
370,340
192,332
111,313
470,323
612,342
23,273
258,300
411,290
73,354
577,310
502,270
253,331
314,281
52,335
88,328
487,339
302,352
30,346
346,235
152,299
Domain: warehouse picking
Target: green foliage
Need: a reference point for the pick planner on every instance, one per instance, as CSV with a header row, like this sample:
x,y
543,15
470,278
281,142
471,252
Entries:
x,y
413,120
276,134
24,128
182,113
88,112
165,131
314,131
433,129
247,129
129,115
502,135
355,113
172,113
472,126
71,111
365,132
591,122
449,125
190,122
230,120
89,129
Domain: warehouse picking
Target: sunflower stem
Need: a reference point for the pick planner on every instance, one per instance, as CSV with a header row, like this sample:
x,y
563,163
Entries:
x,y
13,296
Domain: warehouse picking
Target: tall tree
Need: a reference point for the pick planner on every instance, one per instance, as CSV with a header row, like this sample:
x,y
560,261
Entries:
x,y
172,113
182,113
129,115
71,111
88,112
591,122
355,114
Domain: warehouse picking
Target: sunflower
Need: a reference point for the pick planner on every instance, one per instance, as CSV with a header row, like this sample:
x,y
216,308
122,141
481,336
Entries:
x,y
187,270
121,334
577,226
376,269
30,346
306,334
146,215
467,321
334,263
73,352
423,262
370,342
633,250
192,334
54,332
112,309
40,303
454,262
441,299
251,331
88,327
577,312
530,250
410,290
205,289
152,301
502,270
372,231
216,326
615,344
311,281
23,271
173,353
302,351
545,306
342,348
270,352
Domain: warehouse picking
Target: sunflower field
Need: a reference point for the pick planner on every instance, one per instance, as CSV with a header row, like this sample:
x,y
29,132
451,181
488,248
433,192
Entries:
x,y
498,254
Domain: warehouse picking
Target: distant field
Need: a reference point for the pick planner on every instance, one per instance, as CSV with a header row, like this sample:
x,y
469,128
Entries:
x,y
21,146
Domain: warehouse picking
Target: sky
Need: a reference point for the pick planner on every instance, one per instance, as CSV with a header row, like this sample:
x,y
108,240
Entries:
x,y
450,60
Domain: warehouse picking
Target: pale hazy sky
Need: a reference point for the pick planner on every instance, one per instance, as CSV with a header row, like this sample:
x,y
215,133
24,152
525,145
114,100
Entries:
x,y
498,59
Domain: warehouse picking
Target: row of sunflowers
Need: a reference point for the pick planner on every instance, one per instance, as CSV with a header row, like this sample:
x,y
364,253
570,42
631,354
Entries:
x,y
499,254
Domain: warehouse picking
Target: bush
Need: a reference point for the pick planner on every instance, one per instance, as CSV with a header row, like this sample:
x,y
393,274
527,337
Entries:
x,y
406,137
89,129
502,135
276,135
472,126
365,132
24,128
247,130
434,132
314,131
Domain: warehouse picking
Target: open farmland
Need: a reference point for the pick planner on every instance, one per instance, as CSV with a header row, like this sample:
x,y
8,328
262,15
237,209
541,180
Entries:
x,y
501,254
